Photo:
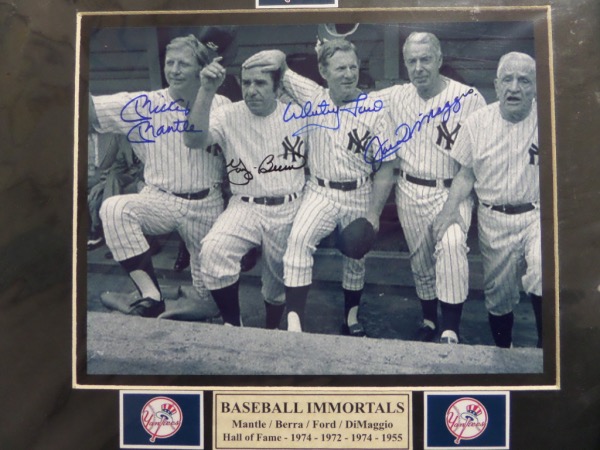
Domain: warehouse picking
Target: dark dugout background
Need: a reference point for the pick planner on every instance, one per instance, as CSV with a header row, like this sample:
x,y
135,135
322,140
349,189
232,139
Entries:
x,y
41,411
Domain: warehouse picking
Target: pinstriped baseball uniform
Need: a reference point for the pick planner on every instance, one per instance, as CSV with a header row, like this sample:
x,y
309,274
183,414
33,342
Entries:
x,y
504,158
256,150
430,128
148,119
336,153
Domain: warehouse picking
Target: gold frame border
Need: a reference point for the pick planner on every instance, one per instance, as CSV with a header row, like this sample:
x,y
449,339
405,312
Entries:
x,y
316,389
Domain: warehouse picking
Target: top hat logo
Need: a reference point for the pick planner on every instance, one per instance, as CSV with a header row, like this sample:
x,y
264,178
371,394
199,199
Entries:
x,y
169,409
474,410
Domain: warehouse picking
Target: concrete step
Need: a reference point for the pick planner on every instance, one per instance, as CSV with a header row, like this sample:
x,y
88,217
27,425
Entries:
x,y
387,311
124,345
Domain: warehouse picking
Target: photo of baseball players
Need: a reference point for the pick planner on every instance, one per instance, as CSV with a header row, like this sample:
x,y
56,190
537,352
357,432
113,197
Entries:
x,y
401,161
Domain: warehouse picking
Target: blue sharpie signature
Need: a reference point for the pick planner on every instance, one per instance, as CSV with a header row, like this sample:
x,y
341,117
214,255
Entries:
x,y
309,110
405,132
140,110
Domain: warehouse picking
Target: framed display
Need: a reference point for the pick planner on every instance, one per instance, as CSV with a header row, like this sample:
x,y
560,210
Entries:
x,y
119,172
115,58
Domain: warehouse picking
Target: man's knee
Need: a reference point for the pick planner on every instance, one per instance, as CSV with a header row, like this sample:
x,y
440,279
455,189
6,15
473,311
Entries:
x,y
113,210
453,239
208,254
295,240
534,264
104,207
499,307
299,249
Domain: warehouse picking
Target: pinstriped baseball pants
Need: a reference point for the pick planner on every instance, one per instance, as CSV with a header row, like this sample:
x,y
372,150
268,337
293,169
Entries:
x,y
126,218
241,227
440,269
322,210
511,249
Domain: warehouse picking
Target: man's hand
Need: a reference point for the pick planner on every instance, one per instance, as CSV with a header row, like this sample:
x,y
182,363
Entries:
x,y
212,75
374,220
268,60
444,220
96,191
462,185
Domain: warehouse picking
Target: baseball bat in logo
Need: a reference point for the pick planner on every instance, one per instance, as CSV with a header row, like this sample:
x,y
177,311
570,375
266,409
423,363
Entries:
x,y
466,419
161,418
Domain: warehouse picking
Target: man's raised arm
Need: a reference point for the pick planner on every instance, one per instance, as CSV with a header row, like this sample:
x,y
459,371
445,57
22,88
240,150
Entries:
x,y
462,185
211,77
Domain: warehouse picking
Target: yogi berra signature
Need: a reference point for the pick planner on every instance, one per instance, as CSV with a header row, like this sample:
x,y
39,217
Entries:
x,y
354,107
405,131
239,175
140,110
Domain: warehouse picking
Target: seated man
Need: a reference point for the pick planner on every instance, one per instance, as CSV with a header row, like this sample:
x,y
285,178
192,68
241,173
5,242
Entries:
x,y
265,166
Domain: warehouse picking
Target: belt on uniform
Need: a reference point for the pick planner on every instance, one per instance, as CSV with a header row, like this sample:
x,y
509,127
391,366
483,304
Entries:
x,y
270,201
343,185
430,183
191,195
511,209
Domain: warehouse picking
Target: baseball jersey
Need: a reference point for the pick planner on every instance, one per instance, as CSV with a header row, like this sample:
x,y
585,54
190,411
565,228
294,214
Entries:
x,y
263,157
429,127
340,144
503,155
153,123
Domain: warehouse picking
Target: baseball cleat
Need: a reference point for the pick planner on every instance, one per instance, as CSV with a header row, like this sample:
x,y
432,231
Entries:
x,y
425,333
356,330
95,242
449,337
119,301
147,307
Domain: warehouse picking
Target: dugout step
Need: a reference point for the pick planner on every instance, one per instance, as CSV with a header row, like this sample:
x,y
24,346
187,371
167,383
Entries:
x,y
119,345
387,312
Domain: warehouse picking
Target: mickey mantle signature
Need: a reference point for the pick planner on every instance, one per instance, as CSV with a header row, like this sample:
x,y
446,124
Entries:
x,y
139,112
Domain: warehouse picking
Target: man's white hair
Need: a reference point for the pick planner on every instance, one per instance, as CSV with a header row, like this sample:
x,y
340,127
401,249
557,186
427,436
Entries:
x,y
422,37
512,56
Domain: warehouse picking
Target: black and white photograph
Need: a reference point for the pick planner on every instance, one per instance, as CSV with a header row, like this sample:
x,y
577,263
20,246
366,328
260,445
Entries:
x,y
287,222
349,198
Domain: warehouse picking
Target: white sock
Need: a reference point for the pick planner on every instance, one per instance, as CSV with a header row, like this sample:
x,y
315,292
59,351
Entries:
x,y
352,316
145,284
429,323
293,321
